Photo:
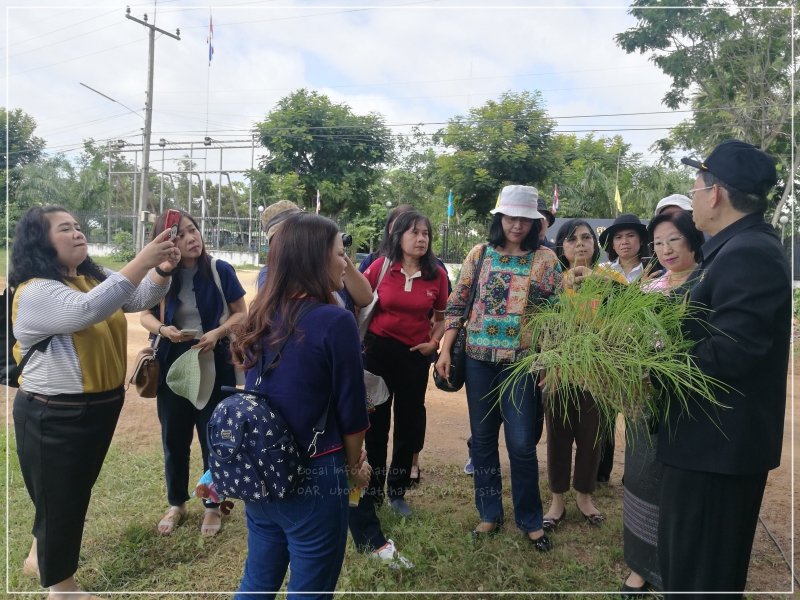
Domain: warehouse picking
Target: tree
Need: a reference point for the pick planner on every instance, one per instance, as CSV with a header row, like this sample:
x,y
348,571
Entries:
x,y
733,65
500,143
326,147
20,148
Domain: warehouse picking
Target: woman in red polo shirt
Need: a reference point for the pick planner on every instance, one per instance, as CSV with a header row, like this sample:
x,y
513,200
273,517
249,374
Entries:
x,y
398,346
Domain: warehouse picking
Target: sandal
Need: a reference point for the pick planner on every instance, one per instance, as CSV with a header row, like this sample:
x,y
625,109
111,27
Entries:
x,y
173,517
211,530
29,570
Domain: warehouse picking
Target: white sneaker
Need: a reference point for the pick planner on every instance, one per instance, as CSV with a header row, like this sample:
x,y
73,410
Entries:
x,y
392,558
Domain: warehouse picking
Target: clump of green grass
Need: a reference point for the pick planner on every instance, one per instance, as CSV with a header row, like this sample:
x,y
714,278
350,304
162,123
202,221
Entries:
x,y
612,340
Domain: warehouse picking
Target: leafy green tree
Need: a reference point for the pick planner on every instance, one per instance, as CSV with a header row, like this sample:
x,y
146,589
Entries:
x,y
732,64
503,142
20,147
326,147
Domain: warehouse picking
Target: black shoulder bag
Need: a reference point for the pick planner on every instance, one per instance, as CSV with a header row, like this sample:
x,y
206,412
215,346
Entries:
x,y
458,352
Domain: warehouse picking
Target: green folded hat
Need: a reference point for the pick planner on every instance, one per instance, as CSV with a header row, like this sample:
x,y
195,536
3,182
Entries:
x,y
192,376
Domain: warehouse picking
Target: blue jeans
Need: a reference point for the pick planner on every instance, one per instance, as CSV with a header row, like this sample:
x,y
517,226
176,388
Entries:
x,y
516,410
308,527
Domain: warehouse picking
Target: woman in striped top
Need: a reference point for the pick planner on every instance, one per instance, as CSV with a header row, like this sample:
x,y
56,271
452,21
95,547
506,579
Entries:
x,y
70,398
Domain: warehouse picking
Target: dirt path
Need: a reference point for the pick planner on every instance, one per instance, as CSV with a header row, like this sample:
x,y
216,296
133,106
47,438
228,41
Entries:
x,y
445,447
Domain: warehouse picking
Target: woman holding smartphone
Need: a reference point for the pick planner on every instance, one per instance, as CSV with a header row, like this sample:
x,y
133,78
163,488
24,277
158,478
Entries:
x,y
192,319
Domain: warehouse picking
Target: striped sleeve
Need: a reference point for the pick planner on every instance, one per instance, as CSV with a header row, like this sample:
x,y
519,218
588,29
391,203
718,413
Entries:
x,y
147,294
48,307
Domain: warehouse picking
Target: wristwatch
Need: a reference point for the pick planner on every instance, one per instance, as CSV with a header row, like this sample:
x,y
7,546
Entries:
x,y
164,273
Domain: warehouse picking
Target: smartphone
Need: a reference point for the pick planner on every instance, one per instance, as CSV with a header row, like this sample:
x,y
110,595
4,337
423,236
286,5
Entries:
x,y
173,220
646,261
191,332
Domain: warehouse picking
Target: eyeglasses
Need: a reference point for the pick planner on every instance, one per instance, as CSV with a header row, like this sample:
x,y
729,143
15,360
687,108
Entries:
x,y
515,220
671,242
690,194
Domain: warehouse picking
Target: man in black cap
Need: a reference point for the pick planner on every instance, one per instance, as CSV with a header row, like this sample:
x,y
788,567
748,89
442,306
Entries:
x,y
716,460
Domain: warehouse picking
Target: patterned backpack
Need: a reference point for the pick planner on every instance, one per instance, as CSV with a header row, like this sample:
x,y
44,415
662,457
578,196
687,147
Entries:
x,y
252,452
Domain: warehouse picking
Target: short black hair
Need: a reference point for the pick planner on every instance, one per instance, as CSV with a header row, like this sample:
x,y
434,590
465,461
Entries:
x,y
685,224
740,201
497,237
567,229
612,254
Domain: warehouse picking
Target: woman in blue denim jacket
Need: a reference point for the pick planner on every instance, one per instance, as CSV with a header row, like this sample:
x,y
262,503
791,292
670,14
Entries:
x,y
319,368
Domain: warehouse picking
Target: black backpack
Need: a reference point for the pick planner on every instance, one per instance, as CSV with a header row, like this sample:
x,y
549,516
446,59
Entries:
x,y
10,371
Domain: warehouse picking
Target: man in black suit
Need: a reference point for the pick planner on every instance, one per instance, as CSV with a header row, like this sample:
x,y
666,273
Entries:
x,y
716,460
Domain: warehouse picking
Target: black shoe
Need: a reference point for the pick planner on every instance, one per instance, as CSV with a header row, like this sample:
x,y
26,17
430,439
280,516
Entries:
x,y
603,479
401,507
542,544
628,592
414,481
549,525
476,534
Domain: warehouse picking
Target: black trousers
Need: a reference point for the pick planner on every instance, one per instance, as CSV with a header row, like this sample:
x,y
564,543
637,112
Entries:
x,y
706,526
179,419
62,442
406,376
607,453
365,527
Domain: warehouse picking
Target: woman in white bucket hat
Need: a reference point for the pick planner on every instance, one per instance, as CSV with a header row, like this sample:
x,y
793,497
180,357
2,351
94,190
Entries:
x,y
515,273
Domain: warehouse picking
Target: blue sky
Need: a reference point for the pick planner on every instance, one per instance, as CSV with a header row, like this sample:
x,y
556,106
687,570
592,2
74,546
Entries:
x,y
414,62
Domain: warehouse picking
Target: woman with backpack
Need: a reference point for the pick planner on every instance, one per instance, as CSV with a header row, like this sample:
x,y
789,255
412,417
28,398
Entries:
x,y
68,320
318,373
206,300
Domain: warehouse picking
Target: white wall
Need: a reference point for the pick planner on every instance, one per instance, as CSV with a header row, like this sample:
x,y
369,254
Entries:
x,y
100,249
234,257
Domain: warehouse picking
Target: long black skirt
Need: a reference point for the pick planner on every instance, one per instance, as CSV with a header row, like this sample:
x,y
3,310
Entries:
x,y
640,503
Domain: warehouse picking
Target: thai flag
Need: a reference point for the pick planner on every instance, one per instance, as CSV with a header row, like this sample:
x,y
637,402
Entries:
x,y
555,200
210,39
319,204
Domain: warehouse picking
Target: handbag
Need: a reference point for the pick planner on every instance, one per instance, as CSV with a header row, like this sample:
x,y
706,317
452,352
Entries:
x,y
226,314
365,314
458,352
147,369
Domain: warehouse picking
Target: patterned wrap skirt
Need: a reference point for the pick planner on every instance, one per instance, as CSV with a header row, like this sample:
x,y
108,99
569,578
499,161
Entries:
x,y
641,495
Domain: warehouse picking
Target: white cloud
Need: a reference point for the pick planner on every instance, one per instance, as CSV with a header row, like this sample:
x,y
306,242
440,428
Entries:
x,y
421,55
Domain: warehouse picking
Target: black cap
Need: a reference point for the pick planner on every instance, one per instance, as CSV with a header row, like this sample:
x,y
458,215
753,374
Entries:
x,y
740,165
541,206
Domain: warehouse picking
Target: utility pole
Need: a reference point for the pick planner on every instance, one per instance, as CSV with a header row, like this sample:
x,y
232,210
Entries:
x,y
148,121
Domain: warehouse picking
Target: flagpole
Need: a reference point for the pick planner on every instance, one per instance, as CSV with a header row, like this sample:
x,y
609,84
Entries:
x,y
616,183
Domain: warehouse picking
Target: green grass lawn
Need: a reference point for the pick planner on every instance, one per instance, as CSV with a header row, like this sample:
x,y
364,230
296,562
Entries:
x,y
122,550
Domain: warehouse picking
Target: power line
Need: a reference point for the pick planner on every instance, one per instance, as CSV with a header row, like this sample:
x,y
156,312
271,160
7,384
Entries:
x,y
71,59
62,41
73,24
340,12
414,82
595,87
